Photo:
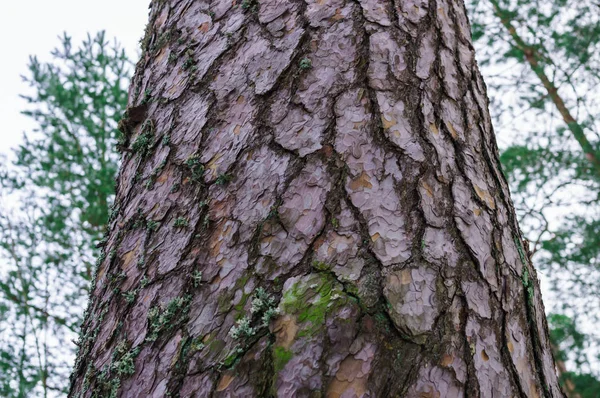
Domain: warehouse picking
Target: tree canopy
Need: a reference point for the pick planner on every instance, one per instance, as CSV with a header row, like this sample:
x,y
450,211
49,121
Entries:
x,y
57,192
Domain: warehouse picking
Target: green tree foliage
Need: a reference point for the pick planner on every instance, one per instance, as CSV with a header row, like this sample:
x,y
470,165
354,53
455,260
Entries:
x,y
570,344
56,196
541,61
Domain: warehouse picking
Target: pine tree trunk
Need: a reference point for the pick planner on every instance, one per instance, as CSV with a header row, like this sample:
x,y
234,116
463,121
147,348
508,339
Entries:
x,y
311,205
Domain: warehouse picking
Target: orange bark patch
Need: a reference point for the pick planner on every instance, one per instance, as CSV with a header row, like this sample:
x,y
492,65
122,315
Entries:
x,y
101,273
485,196
218,209
338,15
434,129
218,237
212,165
162,18
216,280
405,277
484,356
428,189
161,55
162,177
225,381
285,329
453,132
431,393
204,27
361,182
314,44
129,256
215,248
533,391
318,243
178,83
387,123
350,378
446,360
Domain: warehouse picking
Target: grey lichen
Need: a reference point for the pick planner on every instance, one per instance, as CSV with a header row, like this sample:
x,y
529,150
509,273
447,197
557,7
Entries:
x,y
147,96
130,296
165,318
264,304
197,278
180,222
223,179
196,167
108,381
305,63
242,329
152,225
263,309
189,63
123,359
143,142
250,5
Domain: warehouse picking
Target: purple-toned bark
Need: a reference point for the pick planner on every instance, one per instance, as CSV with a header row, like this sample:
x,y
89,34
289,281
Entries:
x,y
311,205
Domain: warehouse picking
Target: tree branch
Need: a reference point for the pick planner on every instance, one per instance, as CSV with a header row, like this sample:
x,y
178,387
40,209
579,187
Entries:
x,y
533,57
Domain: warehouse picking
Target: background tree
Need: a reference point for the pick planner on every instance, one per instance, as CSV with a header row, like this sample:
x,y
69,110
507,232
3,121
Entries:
x,y
311,203
569,344
56,196
541,59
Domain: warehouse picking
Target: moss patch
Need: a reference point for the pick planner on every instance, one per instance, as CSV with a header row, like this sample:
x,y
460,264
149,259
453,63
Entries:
x,y
311,299
281,357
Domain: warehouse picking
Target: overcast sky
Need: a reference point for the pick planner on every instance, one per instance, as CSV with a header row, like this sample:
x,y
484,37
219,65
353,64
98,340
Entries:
x,y
32,27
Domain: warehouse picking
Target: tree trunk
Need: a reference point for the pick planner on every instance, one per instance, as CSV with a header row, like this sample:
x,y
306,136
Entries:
x,y
311,205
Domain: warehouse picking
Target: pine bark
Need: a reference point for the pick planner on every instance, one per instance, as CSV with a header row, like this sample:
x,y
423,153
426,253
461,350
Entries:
x,y
311,205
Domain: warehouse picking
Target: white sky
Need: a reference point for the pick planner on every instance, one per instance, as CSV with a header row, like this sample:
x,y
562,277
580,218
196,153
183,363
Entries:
x,y
32,27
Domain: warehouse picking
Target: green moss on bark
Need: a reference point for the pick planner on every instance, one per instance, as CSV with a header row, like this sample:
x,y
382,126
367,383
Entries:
x,y
281,356
312,299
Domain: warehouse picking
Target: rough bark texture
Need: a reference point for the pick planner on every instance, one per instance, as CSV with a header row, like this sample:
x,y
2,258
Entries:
x,y
311,205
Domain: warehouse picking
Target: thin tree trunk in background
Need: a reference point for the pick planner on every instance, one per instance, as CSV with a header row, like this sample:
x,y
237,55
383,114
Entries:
x,y
563,373
534,59
311,205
